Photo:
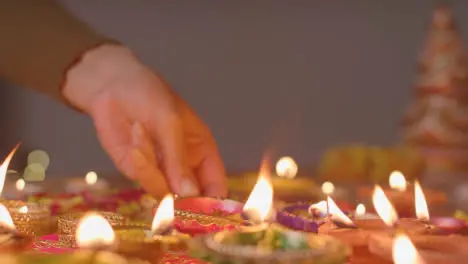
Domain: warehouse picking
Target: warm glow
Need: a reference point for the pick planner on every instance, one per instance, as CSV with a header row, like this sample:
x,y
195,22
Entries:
x,y
258,205
422,211
164,216
91,178
404,251
328,188
94,232
23,209
4,167
286,167
5,218
360,210
383,207
397,181
336,213
20,184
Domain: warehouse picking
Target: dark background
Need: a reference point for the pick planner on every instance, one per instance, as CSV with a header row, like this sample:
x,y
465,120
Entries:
x,y
297,75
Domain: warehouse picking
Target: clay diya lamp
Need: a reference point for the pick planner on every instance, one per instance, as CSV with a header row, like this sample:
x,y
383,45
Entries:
x,y
198,215
357,231
11,240
425,249
151,243
288,186
402,197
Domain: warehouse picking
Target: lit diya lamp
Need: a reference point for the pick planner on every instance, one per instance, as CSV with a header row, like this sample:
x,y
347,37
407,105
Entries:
x,y
151,243
265,242
96,241
356,232
421,249
10,238
29,218
90,183
289,187
401,196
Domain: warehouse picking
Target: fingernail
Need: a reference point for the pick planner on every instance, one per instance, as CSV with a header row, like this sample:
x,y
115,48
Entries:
x,y
188,188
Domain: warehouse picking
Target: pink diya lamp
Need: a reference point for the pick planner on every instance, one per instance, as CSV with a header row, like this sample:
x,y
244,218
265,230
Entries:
x,y
401,197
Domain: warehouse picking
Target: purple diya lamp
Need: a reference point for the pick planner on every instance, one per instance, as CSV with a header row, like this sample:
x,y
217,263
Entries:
x,y
290,217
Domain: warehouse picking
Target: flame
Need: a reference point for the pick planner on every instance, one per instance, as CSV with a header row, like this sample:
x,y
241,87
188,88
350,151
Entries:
x,y
320,206
422,211
383,207
328,188
5,218
360,210
397,181
94,232
286,167
23,209
4,167
258,205
404,251
91,178
336,213
20,184
164,216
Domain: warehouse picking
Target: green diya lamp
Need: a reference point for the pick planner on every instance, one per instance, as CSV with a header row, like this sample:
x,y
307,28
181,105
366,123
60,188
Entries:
x,y
264,242
271,244
151,242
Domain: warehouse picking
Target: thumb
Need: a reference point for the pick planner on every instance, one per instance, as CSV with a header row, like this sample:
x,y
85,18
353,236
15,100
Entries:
x,y
169,135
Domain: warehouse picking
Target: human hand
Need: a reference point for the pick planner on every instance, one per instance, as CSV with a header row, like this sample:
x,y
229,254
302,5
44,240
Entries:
x,y
149,132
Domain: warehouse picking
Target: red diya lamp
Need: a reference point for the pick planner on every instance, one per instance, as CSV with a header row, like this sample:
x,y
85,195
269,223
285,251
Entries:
x,y
401,196
199,215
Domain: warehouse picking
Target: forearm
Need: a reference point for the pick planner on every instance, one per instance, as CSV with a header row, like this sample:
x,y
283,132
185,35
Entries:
x,y
39,41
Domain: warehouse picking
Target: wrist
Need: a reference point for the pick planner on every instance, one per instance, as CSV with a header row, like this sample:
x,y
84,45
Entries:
x,y
97,69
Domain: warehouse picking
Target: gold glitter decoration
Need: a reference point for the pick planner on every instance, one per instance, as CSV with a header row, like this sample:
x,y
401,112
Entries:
x,y
205,219
68,223
67,241
30,219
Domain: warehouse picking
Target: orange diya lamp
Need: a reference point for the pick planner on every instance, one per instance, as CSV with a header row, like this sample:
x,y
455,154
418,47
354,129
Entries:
x,y
401,196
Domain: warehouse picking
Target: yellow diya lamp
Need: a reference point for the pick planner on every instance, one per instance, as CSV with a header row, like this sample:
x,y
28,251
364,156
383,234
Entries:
x,y
151,243
29,218
401,196
288,185
11,240
67,225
